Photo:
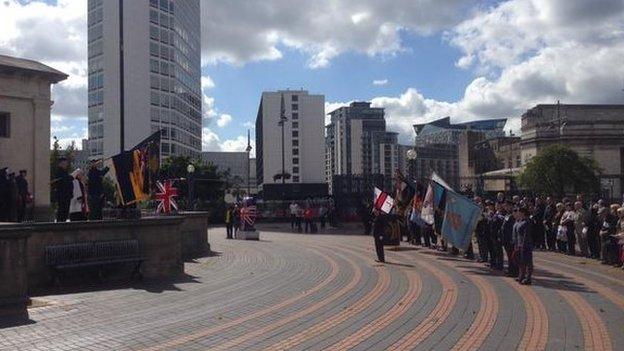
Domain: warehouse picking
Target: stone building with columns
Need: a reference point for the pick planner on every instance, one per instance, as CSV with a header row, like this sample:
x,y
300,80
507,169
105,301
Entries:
x,y
25,104
595,131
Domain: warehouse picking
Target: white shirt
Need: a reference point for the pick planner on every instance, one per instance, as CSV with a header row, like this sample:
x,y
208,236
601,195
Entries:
x,y
294,209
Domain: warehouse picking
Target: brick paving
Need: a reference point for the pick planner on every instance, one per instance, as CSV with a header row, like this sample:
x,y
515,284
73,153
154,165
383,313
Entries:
x,y
325,292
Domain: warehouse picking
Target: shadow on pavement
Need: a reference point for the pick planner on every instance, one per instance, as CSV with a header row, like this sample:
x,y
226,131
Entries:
x,y
14,316
84,284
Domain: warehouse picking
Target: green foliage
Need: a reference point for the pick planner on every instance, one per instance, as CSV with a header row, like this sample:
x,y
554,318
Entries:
x,y
209,183
558,170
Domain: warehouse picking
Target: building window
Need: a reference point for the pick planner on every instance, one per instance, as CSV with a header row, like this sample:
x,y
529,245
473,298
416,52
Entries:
x,y
296,152
295,134
295,169
295,125
295,98
295,161
295,143
295,116
5,125
295,107
295,179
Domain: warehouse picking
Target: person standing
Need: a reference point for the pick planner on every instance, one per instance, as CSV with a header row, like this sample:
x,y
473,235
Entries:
x,y
294,209
495,239
4,188
608,228
549,232
308,217
95,190
539,231
23,196
322,215
481,233
507,237
581,227
63,184
593,238
78,208
236,219
568,219
379,232
523,246
13,198
228,222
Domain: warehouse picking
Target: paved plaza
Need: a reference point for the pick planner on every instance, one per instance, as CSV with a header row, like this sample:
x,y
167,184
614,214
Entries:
x,y
326,292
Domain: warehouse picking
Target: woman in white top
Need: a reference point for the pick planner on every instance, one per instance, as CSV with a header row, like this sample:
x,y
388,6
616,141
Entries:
x,y
78,208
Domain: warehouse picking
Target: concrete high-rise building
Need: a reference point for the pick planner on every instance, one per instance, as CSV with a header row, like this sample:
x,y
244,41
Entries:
x,y
303,138
349,139
144,75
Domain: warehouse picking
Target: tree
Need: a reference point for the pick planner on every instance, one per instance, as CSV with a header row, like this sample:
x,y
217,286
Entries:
x,y
558,170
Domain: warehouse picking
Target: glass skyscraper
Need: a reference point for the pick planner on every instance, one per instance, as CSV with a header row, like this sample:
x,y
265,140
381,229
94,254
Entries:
x,y
144,75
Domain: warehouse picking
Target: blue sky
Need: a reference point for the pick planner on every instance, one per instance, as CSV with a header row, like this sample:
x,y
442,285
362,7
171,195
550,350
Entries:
x,y
467,59
428,64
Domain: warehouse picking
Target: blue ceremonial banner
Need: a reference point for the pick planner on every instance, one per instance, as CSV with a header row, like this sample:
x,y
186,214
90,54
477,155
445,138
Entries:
x,y
460,220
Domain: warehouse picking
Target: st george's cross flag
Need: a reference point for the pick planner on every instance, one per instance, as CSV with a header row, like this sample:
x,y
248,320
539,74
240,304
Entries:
x,y
165,197
383,202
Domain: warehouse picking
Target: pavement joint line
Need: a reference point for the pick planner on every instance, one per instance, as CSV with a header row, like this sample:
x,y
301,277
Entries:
x,y
241,339
617,281
595,333
380,287
212,330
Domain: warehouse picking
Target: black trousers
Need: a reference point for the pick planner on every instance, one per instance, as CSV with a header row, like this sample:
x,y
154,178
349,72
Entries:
x,y
228,230
379,248
62,213
95,206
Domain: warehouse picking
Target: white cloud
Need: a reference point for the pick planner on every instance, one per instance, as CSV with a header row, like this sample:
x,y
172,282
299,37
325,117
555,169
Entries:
x,y
250,125
224,120
380,82
212,142
207,83
242,31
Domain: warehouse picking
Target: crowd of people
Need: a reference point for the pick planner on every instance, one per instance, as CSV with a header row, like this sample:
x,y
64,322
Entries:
x,y
15,197
79,196
511,228
304,219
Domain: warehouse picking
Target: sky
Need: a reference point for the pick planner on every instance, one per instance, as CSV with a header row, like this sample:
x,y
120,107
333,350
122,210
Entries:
x,y
419,59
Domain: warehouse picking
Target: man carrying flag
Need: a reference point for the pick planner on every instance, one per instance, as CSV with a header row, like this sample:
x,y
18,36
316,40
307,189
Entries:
x,y
382,205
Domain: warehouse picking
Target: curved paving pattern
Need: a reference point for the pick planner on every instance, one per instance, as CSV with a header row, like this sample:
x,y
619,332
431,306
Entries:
x,y
325,292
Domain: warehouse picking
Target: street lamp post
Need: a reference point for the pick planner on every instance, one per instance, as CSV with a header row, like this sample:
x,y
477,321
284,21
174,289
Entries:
x,y
190,169
282,123
249,161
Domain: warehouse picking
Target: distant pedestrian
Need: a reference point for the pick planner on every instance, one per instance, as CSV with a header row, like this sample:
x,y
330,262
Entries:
x,y
12,197
229,219
294,209
236,219
308,217
23,196
95,190
322,213
4,196
523,246
78,208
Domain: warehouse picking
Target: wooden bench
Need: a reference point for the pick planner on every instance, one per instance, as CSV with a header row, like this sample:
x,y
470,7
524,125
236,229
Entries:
x,y
93,254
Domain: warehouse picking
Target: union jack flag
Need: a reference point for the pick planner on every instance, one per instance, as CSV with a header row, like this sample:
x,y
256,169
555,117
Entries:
x,y
165,197
248,214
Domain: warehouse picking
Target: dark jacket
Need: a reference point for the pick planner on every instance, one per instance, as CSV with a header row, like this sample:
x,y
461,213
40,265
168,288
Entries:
x,y
507,230
96,189
64,184
22,185
522,238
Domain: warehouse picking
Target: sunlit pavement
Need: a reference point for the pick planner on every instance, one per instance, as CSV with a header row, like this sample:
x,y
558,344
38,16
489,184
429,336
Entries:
x,y
326,292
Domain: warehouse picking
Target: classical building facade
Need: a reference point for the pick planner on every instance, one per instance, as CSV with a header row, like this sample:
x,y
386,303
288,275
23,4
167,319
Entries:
x,y
144,75
25,124
304,152
595,131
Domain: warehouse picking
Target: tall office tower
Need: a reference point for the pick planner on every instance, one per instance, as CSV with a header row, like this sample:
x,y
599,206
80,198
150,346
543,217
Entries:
x,y
144,75
353,138
303,138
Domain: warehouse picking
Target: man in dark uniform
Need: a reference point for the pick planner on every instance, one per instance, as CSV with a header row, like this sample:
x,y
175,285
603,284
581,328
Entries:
x,y
507,237
63,183
22,195
96,190
379,231
495,239
523,246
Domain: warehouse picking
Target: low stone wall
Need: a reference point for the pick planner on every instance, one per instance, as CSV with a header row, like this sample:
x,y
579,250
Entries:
x,y
165,242
194,232
13,274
